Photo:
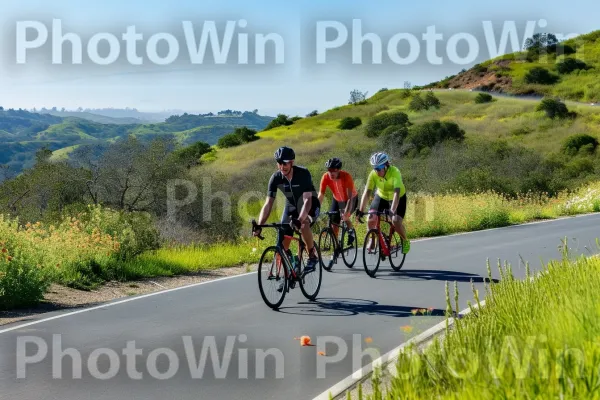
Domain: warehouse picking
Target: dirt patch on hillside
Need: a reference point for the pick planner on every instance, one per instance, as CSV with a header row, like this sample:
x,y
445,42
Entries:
x,y
63,298
491,78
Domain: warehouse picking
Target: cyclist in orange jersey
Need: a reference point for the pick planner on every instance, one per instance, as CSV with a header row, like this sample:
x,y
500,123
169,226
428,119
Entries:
x,y
345,195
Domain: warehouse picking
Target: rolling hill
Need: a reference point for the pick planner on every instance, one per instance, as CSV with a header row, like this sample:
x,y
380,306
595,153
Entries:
x,y
23,133
569,70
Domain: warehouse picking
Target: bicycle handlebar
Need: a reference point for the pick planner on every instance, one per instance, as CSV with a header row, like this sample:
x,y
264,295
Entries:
x,y
273,225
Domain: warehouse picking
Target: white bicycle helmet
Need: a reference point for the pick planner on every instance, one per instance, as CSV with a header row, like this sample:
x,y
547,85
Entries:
x,y
379,159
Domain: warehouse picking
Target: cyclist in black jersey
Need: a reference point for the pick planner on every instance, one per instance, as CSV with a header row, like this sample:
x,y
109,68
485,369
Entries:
x,y
302,204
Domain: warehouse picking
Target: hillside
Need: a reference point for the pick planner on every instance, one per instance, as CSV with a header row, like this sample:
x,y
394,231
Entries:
x,y
23,133
505,141
569,70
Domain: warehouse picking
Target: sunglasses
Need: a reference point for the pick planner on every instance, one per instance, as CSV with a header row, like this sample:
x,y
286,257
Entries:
x,y
332,170
379,168
282,162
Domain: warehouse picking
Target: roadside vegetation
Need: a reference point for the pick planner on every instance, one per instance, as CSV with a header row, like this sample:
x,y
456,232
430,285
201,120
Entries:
x,y
534,338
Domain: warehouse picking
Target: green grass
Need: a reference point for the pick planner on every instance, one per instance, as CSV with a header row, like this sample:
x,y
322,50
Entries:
x,y
532,339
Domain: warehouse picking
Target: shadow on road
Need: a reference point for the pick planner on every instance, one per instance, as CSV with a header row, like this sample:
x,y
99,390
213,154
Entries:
x,y
347,307
432,274
418,274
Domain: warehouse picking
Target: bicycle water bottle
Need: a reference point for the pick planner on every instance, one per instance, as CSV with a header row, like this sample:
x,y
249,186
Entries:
x,y
291,257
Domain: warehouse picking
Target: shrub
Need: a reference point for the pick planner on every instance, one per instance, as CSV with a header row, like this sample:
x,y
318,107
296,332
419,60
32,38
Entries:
x,y
431,101
313,113
483,98
431,133
349,123
378,123
230,140
280,120
21,283
554,108
576,142
541,76
237,137
571,64
417,103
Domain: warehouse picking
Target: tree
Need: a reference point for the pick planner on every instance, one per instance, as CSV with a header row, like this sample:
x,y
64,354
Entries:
x,y
280,120
357,97
313,113
540,40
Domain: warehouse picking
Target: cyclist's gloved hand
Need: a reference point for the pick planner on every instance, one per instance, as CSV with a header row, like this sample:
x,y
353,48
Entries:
x,y
359,213
296,224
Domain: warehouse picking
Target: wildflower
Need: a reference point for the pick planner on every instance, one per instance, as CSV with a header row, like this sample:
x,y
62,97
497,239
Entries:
x,y
368,340
407,328
4,250
414,311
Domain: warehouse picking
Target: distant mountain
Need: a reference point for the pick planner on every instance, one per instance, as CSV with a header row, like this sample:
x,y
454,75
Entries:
x,y
23,133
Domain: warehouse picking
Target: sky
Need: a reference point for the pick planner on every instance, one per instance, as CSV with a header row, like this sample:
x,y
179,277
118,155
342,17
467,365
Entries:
x,y
302,70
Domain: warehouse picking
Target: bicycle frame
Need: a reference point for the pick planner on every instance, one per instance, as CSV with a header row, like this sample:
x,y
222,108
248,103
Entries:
x,y
382,242
288,263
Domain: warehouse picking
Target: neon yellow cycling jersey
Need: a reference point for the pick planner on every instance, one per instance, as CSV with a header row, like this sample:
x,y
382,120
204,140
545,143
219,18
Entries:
x,y
387,184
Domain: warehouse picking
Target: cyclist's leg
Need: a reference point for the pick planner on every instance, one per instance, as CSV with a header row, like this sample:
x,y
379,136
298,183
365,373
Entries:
x,y
399,224
307,235
288,230
335,206
379,205
353,206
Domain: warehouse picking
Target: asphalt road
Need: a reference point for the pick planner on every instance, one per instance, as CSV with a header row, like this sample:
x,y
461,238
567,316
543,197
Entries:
x,y
352,307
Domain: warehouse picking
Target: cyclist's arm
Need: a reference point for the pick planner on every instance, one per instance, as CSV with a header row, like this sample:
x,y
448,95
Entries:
x,y
267,207
266,210
396,200
307,197
349,202
322,189
367,192
397,183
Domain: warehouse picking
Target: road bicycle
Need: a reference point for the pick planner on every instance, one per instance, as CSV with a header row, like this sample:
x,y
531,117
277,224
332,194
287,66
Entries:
x,y
283,270
329,242
378,245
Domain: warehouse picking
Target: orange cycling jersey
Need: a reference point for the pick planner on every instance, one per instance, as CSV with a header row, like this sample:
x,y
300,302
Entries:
x,y
339,186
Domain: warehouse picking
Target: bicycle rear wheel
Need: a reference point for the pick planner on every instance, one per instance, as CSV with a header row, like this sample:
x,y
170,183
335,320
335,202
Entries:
x,y
371,250
349,252
272,280
396,256
327,245
310,283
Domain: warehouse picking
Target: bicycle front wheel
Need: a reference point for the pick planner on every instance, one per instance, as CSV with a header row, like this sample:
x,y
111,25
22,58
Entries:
x,y
327,244
310,282
272,280
397,257
349,252
371,250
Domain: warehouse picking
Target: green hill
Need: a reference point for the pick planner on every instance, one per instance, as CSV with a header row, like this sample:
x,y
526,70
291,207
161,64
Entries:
x,y
569,70
23,133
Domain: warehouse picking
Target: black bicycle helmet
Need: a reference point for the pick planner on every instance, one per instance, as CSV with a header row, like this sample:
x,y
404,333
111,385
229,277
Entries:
x,y
284,153
335,163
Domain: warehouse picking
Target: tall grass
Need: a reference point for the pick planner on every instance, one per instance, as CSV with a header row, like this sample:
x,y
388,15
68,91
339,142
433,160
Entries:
x,y
534,338
427,216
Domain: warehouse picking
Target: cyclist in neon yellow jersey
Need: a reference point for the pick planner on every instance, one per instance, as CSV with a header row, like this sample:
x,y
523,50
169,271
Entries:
x,y
390,196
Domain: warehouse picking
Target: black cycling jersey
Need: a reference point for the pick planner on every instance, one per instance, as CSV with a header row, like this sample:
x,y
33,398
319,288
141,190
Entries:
x,y
301,183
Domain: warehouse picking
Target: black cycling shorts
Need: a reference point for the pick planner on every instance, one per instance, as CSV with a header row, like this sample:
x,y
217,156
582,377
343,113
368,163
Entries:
x,y
314,213
380,205
341,205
